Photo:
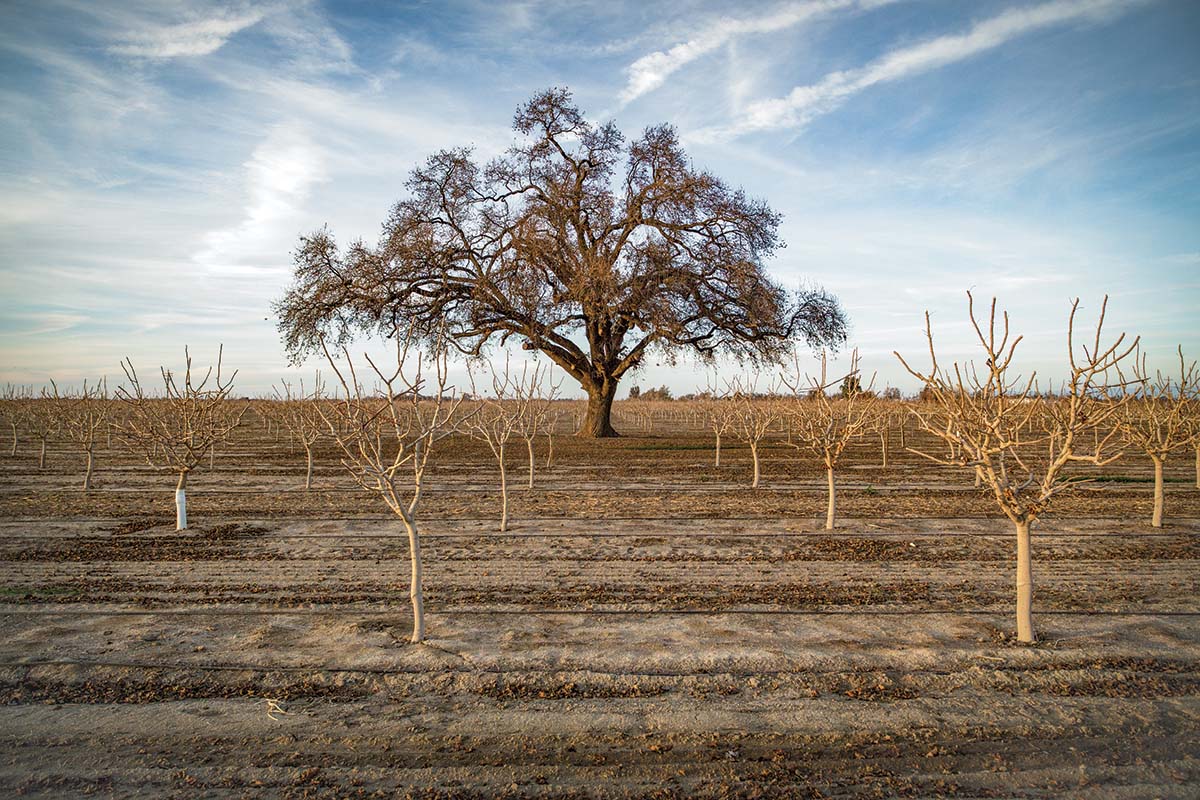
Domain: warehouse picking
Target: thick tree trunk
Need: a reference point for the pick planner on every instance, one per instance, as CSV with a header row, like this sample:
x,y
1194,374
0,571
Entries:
x,y
757,472
1156,520
414,588
308,468
717,459
87,476
598,422
181,503
42,456
1025,631
831,509
549,449
883,445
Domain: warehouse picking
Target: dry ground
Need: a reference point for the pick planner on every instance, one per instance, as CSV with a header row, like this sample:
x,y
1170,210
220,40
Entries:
x,y
650,627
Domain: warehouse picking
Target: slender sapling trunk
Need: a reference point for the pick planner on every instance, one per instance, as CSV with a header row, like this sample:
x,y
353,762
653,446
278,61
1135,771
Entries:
x,y
529,447
831,509
414,590
181,503
1025,632
754,455
503,491
1156,520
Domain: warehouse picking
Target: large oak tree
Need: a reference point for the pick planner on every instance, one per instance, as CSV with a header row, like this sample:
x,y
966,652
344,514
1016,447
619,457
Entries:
x,y
588,248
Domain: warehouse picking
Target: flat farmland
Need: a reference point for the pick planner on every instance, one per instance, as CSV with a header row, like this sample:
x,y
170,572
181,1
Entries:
x,y
649,626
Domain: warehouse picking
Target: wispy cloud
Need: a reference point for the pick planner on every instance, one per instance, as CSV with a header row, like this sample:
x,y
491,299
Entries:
x,y
652,70
193,38
279,176
805,103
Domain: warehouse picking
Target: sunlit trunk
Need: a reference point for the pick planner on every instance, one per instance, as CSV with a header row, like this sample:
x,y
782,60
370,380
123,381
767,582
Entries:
x,y
42,456
831,509
414,588
1156,520
1025,631
87,476
597,424
717,459
529,447
754,456
13,452
308,468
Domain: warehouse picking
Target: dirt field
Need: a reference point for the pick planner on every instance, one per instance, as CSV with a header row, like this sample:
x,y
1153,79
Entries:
x,y
649,627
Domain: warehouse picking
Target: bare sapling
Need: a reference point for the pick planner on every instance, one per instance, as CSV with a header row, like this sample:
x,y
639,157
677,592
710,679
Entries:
x,y
15,401
496,421
299,412
887,414
44,422
549,429
755,415
720,414
825,425
534,393
84,414
386,442
994,422
1191,418
175,430
1155,420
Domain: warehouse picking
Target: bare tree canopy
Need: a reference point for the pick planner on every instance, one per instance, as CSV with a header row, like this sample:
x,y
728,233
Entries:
x,y
588,248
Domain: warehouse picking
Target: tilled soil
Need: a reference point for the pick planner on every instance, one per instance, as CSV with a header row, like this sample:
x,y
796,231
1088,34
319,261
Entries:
x,y
647,628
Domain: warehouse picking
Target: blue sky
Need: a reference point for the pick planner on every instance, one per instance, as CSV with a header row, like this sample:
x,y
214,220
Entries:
x,y
159,159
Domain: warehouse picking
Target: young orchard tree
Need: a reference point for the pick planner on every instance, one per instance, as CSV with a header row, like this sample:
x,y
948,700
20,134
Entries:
x,y
83,415
825,425
386,446
719,414
15,402
1191,418
44,423
496,421
534,393
754,416
589,248
1156,418
551,425
175,430
994,422
300,414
